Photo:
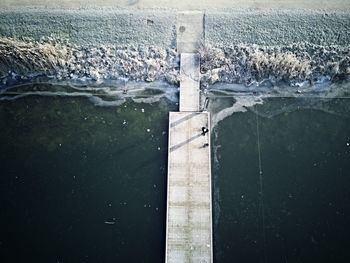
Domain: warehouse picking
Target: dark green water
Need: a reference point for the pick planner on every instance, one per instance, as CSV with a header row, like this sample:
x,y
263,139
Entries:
x,y
67,167
81,183
305,164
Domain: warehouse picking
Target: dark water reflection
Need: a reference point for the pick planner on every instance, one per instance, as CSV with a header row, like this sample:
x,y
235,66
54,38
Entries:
x,y
81,183
305,162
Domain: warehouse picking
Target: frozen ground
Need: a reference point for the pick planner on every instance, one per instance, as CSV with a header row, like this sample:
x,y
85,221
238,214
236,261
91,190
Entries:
x,y
277,27
183,4
91,27
245,41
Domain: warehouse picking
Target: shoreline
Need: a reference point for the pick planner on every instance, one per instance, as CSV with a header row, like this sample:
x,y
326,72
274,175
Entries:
x,y
241,46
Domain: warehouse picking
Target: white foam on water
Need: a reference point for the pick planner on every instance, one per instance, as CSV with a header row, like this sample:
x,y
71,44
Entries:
x,y
45,94
240,104
244,98
106,94
148,100
97,101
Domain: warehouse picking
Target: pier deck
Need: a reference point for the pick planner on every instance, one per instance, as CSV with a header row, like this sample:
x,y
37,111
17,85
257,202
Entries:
x,y
189,31
189,84
189,202
189,231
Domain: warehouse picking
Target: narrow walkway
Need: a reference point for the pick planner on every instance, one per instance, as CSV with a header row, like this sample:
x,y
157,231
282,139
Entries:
x,y
189,206
189,84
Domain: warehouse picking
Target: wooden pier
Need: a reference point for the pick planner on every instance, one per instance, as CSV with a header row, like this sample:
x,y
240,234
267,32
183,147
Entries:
x,y
189,202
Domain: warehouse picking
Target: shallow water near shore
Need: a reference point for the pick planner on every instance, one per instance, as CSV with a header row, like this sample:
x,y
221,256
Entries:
x,y
83,183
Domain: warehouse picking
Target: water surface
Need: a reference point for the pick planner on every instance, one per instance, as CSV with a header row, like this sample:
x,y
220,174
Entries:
x,y
300,186
81,183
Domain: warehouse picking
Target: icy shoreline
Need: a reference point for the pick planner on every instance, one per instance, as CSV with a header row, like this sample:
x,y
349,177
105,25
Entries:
x,y
242,46
243,64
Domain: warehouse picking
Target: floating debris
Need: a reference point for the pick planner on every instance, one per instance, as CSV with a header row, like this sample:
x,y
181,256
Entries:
x,y
109,222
